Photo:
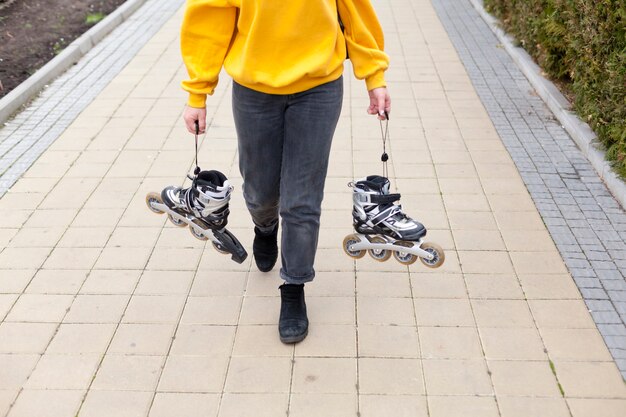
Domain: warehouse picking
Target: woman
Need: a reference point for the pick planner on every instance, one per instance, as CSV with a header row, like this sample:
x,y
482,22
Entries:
x,y
286,60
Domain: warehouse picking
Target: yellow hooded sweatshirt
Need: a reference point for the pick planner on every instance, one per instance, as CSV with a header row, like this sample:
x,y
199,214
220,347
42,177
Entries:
x,y
279,46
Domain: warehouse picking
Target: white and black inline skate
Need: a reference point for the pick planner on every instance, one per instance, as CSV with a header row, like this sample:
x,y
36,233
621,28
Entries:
x,y
382,229
203,207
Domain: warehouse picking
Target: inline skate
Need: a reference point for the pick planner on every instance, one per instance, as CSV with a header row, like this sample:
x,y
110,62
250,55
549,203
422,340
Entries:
x,y
204,208
382,229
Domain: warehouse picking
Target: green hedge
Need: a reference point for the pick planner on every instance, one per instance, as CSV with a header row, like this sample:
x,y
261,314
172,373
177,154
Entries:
x,y
583,44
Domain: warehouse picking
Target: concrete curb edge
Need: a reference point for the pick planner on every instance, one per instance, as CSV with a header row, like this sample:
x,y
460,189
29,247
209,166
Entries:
x,y
580,131
28,89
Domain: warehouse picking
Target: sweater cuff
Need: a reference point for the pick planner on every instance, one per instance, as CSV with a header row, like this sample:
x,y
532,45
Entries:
x,y
375,80
197,100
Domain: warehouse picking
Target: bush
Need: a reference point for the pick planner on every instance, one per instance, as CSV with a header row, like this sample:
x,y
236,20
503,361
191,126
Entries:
x,y
581,43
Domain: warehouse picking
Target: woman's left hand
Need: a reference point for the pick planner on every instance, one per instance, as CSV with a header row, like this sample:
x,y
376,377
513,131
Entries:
x,y
380,102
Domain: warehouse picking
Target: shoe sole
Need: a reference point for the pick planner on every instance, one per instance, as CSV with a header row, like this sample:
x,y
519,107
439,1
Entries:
x,y
294,339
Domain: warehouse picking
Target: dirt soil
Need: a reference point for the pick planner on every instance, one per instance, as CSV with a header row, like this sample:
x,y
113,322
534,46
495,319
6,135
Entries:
x,y
32,32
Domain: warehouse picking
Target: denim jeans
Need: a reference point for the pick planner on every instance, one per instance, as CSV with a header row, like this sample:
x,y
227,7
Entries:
x,y
284,145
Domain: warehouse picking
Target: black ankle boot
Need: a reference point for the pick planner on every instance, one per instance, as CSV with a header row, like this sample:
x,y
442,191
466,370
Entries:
x,y
293,324
265,249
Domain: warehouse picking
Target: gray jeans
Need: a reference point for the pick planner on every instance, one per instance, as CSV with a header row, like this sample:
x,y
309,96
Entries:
x,y
284,145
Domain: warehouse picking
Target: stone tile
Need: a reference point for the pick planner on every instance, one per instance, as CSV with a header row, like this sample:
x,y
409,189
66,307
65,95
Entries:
x,y
260,310
388,341
37,237
200,374
126,237
581,407
459,406
47,403
324,375
72,258
204,340
111,281
186,259
493,286
330,310
485,262
502,313
258,375
481,240
25,337
325,340
390,376
444,312
128,373
396,405
23,258
384,310
142,339
7,397
534,406
57,281
438,286
456,377
164,282
97,309
512,344
590,379
538,263
123,258
575,344
64,372
116,403
85,237
561,313
13,281
219,283
211,310
549,286
81,338
523,378
40,308
316,404
449,343
167,404
371,284
16,369
154,309
263,404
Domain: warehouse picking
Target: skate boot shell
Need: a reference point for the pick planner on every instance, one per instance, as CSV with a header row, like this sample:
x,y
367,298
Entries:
x,y
204,208
383,230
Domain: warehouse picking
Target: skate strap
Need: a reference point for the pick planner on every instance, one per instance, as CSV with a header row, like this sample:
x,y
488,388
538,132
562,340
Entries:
x,y
377,198
385,135
197,170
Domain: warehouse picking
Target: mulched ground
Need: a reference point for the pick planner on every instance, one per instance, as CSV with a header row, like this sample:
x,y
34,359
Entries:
x,y
32,32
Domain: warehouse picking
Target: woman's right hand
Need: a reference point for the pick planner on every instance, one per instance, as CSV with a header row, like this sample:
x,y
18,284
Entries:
x,y
193,114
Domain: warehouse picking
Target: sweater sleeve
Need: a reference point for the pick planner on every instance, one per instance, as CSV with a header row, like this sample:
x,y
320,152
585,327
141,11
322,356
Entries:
x,y
205,36
365,41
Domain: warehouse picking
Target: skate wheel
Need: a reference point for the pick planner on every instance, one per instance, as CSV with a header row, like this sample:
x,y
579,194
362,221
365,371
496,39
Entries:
x,y
405,258
175,221
438,255
154,198
197,234
381,255
351,240
220,248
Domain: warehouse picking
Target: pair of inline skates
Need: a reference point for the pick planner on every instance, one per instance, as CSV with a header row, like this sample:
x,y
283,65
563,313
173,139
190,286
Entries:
x,y
382,229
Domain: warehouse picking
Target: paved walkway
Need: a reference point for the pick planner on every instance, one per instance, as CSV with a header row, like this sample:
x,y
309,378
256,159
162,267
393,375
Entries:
x,y
108,310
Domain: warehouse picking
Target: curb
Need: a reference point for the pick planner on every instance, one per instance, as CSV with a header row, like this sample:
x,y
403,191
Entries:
x,y
28,89
580,131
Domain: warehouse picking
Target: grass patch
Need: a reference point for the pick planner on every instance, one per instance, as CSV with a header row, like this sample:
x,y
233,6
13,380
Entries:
x,y
93,18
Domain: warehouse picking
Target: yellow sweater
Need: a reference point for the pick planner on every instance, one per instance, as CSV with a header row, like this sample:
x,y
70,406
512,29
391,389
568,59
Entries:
x,y
279,46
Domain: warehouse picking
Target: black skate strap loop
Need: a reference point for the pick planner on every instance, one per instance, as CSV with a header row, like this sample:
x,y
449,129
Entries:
x,y
385,136
197,170
378,198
